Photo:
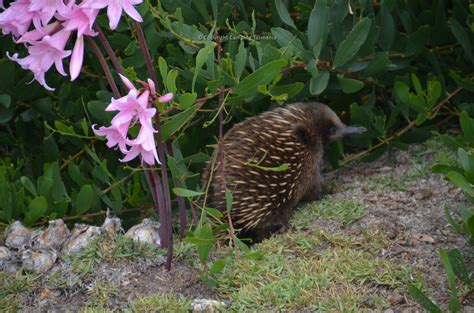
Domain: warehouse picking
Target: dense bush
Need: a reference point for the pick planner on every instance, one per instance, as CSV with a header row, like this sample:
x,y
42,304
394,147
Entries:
x,y
402,69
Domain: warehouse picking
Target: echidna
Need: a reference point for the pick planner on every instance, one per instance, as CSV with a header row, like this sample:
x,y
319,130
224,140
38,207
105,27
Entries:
x,y
271,162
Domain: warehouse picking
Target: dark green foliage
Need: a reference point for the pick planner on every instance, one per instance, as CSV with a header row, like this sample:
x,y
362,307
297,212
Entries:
x,y
389,66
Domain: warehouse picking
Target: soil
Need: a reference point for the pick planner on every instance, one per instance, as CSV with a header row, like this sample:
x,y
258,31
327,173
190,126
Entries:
x,y
408,205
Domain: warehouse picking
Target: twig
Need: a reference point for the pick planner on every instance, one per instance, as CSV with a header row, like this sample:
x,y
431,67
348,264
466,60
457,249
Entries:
x,y
409,126
146,53
181,204
77,155
105,67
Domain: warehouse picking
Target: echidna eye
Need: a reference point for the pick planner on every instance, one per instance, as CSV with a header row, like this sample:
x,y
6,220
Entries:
x,y
332,130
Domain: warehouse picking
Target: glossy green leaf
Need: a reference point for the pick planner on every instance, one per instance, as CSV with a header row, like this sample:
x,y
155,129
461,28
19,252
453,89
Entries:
x,y
36,209
5,101
354,40
229,199
186,193
240,60
423,300
28,184
286,38
349,85
454,303
387,27
463,37
201,58
318,83
458,265
176,122
318,23
283,13
186,100
460,181
217,266
84,199
262,75
467,126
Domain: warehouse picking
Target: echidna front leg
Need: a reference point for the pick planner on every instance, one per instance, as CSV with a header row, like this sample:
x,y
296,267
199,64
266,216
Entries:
x,y
313,192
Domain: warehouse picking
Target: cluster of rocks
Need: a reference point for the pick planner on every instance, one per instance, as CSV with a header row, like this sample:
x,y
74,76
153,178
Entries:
x,y
38,250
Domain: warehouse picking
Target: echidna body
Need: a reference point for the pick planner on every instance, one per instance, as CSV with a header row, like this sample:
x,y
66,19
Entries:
x,y
256,153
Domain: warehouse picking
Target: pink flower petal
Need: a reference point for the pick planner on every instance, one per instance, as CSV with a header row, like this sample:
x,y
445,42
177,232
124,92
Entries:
x,y
76,59
127,82
166,98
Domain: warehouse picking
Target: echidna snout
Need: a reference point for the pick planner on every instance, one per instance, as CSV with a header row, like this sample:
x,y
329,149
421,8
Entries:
x,y
271,162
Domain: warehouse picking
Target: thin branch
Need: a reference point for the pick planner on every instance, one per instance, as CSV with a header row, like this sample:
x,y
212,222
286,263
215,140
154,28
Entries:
x,y
409,126
105,67
146,53
77,155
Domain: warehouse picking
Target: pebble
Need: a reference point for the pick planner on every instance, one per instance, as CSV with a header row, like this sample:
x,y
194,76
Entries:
x,y
147,232
82,235
39,261
207,306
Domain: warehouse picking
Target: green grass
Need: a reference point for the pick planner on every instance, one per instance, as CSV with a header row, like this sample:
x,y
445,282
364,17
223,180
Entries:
x,y
328,208
161,303
310,270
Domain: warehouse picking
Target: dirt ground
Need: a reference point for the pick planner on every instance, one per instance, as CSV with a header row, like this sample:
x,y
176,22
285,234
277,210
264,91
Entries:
x,y
400,195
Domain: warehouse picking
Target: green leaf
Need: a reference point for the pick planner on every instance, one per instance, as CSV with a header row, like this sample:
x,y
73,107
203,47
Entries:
x,y
467,126
186,100
349,47
460,181
467,84
176,122
84,199
163,67
36,209
214,213
171,80
201,58
318,23
417,85
286,38
456,226
64,129
349,85
459,267
454,303
403,92
378,64
217,266
240,60
186,193
283,13
5,101
466,160
387,28
28,184
463,37
229,199
263,75
318,83
204,232
423,300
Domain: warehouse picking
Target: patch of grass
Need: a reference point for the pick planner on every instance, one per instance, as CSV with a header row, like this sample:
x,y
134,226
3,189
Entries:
x,y
17,283
328,208
110,249
10,303
100,294
159,303
311,270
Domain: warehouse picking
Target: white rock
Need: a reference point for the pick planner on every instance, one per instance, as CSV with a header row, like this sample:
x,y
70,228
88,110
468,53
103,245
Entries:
x,y
5,255
52,237
39,261
82,235
207,306
111,225
18,236
147,231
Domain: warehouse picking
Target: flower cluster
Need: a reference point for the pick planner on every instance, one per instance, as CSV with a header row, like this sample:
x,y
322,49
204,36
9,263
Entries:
x,y
45,27
133,110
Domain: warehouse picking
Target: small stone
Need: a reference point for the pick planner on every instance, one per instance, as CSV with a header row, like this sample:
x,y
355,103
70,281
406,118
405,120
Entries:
x,y
52,237
5,254
468,309
18,236
207,306
396,299
388,311
82,235
148,232
39,261
111,225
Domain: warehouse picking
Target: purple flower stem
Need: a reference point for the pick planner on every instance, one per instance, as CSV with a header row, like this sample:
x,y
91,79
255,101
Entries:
x,y
166,220
110,51
146,53
181,204
105,67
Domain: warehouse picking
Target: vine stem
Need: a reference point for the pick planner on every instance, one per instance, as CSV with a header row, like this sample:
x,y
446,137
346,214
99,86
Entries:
x,y
105,67
409,126
161,186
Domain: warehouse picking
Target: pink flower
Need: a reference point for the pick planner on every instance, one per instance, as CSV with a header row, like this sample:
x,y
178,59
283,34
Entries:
x,y
37,34
166,98
79,17
47,8
115,8
115,136
127,82
132,109
43,54
17,18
